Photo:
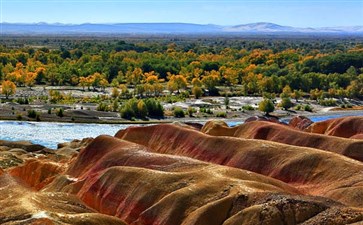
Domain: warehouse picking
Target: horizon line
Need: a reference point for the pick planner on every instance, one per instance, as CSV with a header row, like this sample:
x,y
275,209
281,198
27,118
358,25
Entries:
x,y
204,24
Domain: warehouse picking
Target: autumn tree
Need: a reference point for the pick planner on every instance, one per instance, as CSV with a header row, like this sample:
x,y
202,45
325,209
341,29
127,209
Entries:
x,y
30,79
197,92
177,82
8,88
135,76
230,76
210,81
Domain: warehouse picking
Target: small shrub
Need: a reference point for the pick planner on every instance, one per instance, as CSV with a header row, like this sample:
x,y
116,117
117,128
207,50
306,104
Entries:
x,y
60,112
154,108
115,105
127,113
308,108
197,92
102,107
248,108
141,109
286,103
221,114
37,117
178,112
19,116
190,111
328,102
184,94
32,113
22,101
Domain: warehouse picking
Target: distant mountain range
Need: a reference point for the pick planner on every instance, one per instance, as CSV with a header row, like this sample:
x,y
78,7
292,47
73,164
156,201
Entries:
x,y
166,28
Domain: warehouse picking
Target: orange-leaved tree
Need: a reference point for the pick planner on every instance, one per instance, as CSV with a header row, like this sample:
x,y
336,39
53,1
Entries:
x,y
8,88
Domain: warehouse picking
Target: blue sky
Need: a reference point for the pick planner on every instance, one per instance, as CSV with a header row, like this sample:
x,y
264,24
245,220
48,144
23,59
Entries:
x,y
303,13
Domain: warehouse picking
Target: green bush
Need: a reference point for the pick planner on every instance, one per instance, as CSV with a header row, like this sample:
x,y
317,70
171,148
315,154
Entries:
x,y
221,114
19,116
141,111
206,110
178,112
328,102
248,107
103,107
154,108
197,92
286,103
308,108
22,101
191,110
32,113
185,94
298,107
60,112
127,112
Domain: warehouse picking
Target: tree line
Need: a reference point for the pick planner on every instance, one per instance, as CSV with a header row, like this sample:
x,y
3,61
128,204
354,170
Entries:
x,y
242,67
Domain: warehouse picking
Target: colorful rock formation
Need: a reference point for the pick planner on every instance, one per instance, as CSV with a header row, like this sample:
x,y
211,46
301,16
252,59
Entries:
x,y
174,174
341,127
285,134
300,122
311,171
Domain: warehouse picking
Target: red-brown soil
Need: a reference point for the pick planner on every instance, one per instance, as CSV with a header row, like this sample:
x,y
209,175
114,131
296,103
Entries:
x,y
174,174
285,134
341,127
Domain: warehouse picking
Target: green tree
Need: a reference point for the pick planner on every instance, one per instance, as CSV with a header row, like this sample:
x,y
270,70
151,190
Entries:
x,y
266,106
286,103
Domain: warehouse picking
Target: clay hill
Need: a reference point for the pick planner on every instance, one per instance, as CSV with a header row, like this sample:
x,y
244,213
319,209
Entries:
x,y
348,127
285,134
174,174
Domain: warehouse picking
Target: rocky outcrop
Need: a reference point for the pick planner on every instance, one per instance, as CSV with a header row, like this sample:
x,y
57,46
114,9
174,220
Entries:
x,y
311,171
263,118
300,122
285,134
21,205
35,172
26,145
341,127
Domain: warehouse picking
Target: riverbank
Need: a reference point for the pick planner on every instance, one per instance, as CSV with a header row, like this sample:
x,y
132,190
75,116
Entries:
x,y
196,110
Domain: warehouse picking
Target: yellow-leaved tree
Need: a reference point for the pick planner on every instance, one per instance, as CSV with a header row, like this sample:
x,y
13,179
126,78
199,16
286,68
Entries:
x,y
8,88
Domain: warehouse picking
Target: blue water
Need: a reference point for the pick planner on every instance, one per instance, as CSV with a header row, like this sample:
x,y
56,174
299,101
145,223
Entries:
x,y
333,116
50,134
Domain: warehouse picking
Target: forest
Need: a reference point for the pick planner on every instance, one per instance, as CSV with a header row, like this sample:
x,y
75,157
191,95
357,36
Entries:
x,y
212,66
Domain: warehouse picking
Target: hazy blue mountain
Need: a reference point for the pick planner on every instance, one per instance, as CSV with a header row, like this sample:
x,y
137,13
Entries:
x,y
166,28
